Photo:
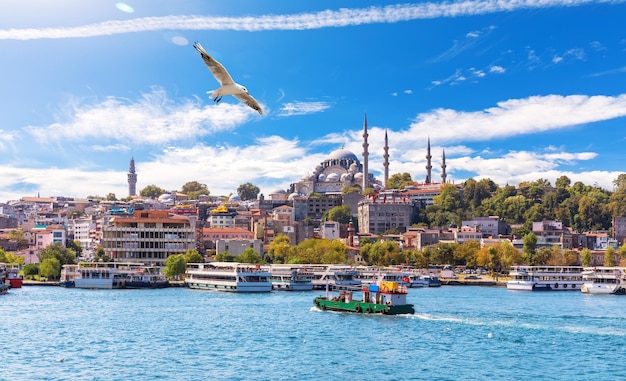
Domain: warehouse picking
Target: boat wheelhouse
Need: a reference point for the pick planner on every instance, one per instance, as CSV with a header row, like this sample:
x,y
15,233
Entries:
x,y
291,278
546,278
228,276
604,280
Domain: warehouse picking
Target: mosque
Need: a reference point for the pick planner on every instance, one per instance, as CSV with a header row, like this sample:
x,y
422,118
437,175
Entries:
x,y
343,169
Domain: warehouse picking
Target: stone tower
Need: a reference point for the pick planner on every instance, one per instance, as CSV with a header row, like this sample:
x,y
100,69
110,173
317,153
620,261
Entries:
x,y
386,162
429,166
443,168
365,154
132,179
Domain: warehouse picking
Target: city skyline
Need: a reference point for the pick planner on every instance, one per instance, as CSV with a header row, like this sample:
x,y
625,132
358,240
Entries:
x,y
513,91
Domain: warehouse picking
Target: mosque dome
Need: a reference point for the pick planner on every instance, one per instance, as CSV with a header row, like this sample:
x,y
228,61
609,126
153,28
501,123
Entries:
x,y
279,191
166,198
322,177
332,177
342,154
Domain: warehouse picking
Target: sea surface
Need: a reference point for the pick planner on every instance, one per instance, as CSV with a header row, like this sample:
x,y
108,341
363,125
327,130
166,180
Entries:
x,y
457,333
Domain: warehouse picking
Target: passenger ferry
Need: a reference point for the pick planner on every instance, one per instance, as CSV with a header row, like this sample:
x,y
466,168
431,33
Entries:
x,y
291,278
146,277
604,280
334,275
228,276
546,278
97,275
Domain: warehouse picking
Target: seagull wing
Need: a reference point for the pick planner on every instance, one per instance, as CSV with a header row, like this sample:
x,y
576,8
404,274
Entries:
x,y
217,69
250,101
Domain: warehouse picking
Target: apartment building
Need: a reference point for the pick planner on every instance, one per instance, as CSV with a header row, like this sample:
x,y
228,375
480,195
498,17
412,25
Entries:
x,y
148,237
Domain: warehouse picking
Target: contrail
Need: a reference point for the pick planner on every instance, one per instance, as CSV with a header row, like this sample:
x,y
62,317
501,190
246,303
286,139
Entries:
x,y
302,21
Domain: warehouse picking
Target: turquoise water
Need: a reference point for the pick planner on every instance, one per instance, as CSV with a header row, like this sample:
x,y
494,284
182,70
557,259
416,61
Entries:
x,y
457,333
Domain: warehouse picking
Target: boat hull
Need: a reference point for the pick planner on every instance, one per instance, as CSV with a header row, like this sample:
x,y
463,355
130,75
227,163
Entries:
x,y
362,307
230,286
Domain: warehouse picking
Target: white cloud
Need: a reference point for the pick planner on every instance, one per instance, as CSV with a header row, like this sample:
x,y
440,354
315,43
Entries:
x,y
497,69
302,108
153,119
302,21
516,117
273,161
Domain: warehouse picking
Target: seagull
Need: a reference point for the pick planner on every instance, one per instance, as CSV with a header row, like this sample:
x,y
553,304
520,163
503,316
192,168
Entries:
x,y
227,85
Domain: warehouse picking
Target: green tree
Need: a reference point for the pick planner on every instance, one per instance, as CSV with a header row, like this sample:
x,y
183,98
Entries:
x,y
175,265
193,189
399,181
76,247
529,248
56,250
249,255
248,191
50,268
31,270
224,256
101,256
111,197
339,214
152,191
279,250
585,257
609,256
10,258
193,256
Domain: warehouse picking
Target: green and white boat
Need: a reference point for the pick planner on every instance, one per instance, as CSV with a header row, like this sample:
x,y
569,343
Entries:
x,y
384,297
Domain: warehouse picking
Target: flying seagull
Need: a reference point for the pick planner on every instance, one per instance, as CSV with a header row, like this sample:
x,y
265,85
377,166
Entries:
x,y
227,85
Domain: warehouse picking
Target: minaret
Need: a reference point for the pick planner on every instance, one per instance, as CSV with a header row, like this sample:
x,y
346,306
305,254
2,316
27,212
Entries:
x,y
386,157
365,153
132,178
429,167
443,168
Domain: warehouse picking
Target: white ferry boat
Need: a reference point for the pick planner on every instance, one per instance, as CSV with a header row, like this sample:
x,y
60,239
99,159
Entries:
x,y
228,276
146,277
291,278
334,275
97,275
546,278
604,280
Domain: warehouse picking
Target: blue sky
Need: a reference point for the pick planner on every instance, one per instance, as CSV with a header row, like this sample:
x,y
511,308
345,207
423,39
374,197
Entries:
x,y
512,90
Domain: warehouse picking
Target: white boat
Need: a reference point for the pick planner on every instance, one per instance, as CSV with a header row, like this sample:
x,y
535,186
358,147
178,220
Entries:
x,y
291,278
604,280
146,277
97,275
228,276
546,278
334,275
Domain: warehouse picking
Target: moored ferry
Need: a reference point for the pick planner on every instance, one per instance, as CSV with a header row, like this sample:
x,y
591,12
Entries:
x,y
228,276
291,278
97,275
146,277
546,278
383,297
604,280
14,279
334,275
